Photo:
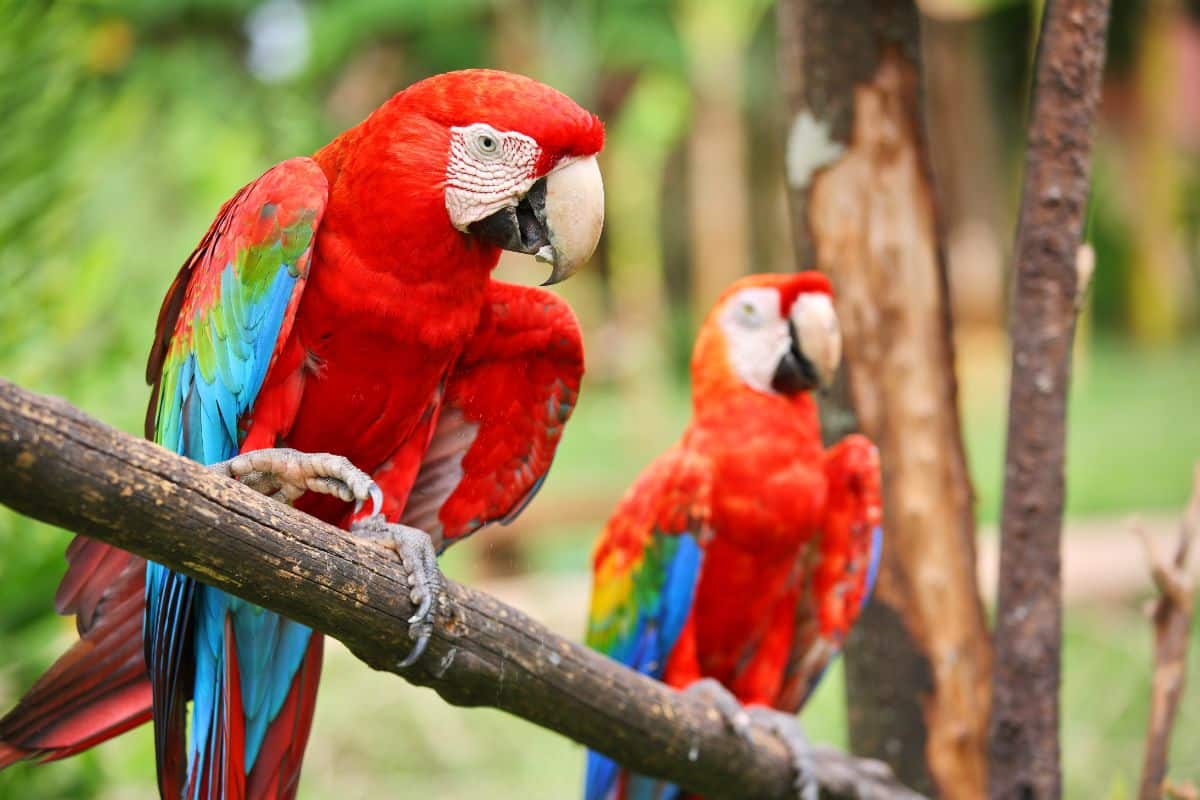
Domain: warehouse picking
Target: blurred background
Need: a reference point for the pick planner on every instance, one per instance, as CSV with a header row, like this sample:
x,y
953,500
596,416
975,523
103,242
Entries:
x,y
126,123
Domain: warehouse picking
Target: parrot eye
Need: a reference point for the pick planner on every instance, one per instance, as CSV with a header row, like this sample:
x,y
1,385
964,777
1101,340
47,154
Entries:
x,y
487,143
748,314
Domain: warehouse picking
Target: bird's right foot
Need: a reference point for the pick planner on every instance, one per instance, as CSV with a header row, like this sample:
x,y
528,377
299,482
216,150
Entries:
x,y
419,559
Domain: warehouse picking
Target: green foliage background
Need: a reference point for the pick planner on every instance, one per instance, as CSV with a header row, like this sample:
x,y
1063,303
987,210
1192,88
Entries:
x,y
125,125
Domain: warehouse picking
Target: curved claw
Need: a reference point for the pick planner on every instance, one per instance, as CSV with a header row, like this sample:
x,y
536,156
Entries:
x,y
422,612
415,654
416,553
787,729
286,474
376,495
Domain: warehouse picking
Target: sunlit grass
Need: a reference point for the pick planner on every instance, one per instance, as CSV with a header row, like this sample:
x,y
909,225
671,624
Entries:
x,y
1133,431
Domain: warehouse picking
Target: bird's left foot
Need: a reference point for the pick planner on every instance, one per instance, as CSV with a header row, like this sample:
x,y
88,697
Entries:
x,y
425,580
285,474
735,715
741,720
787,729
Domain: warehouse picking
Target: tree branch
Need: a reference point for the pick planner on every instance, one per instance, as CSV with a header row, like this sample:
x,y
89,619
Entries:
x,y
1172,616
61,467
1024,745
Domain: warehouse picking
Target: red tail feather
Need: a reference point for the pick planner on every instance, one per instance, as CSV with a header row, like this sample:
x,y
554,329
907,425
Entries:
x,y
98,688
276,772
234,731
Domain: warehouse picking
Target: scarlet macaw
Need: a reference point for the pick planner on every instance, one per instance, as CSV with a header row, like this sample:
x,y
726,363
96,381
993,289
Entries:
x,y
739,559
341,307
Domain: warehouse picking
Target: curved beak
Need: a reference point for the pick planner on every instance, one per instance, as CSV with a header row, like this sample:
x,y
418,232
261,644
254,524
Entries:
x,y
558,221
816,346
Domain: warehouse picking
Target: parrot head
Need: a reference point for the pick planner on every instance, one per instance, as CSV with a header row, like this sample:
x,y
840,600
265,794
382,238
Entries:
x,y
502,159
774,333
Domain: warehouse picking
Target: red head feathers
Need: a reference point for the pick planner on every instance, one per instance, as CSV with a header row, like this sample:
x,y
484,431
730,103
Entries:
x,y
769,333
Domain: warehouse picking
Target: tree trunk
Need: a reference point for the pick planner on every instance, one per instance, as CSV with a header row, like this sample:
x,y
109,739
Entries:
x,y
1024,748
864,212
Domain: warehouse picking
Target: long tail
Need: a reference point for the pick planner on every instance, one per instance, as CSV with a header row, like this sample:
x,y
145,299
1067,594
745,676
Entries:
x,y
99,687
253,702
606,780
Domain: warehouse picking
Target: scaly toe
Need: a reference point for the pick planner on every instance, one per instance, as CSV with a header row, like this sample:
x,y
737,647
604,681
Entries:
x,y
415,551
712,691
286,474
787,729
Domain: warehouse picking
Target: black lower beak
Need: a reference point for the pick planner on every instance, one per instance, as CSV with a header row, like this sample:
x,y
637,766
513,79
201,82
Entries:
x,y
520,228
794,373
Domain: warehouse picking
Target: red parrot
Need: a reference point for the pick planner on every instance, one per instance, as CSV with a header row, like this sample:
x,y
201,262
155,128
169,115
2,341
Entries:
x,y
739,559
337,332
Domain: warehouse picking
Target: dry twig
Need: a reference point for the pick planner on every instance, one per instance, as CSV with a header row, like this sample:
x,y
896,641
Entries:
x,y
1172,618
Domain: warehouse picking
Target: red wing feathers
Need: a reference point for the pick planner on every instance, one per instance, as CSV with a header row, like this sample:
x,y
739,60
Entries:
x,y
502,415
840,572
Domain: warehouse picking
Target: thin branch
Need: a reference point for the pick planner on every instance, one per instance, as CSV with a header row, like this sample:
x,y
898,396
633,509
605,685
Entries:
x,y
1024,745
61,467
1172,617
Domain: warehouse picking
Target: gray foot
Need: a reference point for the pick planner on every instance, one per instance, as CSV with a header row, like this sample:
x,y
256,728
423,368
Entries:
x,y
425,580
741,720
787,728
285,474
713,692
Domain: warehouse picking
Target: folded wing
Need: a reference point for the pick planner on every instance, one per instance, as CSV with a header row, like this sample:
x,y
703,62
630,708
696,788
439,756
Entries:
x,y
502,415
840,574
644,574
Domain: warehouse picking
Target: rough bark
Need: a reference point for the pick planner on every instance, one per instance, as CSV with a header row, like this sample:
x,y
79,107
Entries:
x,y
61,467
1024,751
864,212
1172,618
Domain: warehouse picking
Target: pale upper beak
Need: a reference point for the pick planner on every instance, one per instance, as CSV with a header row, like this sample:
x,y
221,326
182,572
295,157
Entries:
x,y
574,217
558,221
818,335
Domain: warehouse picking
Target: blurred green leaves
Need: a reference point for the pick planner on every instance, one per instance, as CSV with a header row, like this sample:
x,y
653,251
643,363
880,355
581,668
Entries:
x,y
126,124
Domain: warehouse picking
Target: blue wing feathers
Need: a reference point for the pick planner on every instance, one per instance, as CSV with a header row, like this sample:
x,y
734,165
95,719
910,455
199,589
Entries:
x,y
639,787
873,564
682,574
662,612
601,777
233,339
268,661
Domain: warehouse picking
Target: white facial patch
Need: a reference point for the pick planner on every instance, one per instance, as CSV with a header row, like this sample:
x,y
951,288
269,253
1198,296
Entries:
x,y
487,171
756,336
